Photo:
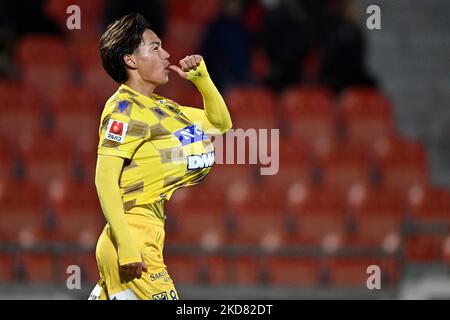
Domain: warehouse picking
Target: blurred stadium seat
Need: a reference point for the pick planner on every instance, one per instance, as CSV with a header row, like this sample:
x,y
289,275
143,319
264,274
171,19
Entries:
x,y
427,204
84,260
53,64
47,158
77,213
352,271
21,218
245,270
197,213
6,268
183,269
308,112
316,217
36,267
366,115
378,220
294,271
252,107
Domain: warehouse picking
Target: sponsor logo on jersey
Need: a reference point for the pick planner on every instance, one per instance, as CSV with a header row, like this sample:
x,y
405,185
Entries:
x,y
160,296
116,131
190,134
204,160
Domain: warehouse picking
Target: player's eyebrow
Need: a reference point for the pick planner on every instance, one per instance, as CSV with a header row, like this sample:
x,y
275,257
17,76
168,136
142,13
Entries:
x,y
157,42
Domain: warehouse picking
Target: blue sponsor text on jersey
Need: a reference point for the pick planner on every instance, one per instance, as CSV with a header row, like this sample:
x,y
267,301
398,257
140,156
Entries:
x,y
190,134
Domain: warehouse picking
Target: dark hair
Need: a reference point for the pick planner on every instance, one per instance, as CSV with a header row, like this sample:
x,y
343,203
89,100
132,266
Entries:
x,y
121,37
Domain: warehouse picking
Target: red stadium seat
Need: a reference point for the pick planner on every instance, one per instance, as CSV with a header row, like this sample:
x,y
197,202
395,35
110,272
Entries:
x,y
309,114
6,268
6,159
403,165
182,37
38,267
223,175
201,11
76,112
93,75
346,166
429,204
244,271
198,215
366,115
212,270
53,64
295,165
20,115
84,260
316,217
91,15
252,108
378,220
77,211
424,247
351,272
22,220
47,158
258,215
294,271
182,269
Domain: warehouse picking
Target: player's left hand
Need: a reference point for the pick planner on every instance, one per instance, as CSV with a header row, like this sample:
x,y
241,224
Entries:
x,y
191,67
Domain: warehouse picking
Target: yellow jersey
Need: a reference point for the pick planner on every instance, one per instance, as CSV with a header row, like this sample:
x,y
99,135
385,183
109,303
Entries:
x,y
163,149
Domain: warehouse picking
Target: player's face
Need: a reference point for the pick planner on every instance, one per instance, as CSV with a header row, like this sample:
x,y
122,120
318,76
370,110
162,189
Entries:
x,y
152,60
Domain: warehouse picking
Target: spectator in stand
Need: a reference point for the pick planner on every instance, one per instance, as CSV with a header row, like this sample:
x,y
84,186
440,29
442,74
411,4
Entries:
x,y
344,53
226,46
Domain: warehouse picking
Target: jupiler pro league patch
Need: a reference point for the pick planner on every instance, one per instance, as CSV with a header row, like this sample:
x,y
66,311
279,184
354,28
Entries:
x,y
116,130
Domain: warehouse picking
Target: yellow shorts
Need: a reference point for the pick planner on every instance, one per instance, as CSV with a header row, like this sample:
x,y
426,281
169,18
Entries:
x,y
155,284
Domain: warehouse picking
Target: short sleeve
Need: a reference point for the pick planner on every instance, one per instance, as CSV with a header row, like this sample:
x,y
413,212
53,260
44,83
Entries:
x,y
121,132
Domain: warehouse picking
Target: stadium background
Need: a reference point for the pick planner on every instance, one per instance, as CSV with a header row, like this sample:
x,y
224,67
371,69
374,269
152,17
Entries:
x,y
364,148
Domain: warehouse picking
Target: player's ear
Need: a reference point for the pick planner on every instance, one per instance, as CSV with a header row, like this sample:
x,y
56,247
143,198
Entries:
x,y
130,61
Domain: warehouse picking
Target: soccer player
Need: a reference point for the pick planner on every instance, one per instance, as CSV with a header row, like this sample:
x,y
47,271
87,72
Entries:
x,y
149,147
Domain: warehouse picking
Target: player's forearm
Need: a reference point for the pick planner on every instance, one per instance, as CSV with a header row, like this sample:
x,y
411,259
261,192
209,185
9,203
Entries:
x,y
215,108
106,181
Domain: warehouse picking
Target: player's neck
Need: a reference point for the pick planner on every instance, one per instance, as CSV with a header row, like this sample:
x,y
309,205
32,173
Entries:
x,y
143,87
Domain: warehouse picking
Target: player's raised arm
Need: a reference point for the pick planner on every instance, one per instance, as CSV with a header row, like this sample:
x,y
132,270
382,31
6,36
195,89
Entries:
x,y
193,68
107,177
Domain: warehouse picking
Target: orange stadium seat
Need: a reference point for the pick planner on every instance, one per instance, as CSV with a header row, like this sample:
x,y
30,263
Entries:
x,y
308,112
252,108
297,271
366,115
378,220
37,267
53,64
21,218
351,272
182,269
316,216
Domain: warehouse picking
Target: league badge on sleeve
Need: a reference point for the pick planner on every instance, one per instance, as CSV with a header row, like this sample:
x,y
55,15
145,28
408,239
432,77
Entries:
x,y
116,130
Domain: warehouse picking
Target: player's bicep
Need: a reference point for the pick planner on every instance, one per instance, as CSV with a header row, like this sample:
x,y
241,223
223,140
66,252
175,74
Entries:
x,y
120,136
198,117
